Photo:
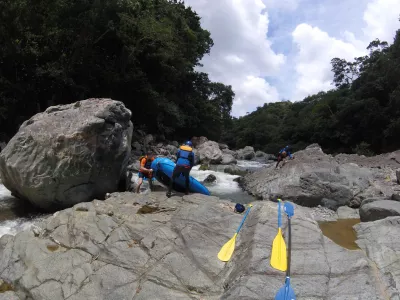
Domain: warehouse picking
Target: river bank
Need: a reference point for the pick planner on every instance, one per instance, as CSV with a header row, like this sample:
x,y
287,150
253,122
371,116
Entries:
x,y
16,215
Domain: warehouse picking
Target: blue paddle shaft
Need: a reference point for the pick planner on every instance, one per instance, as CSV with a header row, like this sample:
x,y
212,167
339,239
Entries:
x,y
244,218
279,214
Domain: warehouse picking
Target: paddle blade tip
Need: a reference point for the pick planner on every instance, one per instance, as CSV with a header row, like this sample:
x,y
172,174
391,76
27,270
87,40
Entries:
x,y
285,294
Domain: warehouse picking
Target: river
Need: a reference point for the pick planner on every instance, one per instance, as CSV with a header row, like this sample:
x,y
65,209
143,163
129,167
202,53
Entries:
x,y
16,215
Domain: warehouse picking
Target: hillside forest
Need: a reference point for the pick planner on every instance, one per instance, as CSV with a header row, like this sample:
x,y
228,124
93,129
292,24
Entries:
x,y
147,54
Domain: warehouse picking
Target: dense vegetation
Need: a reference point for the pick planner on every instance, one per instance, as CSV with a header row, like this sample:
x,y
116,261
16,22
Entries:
x,y
142,52
362,114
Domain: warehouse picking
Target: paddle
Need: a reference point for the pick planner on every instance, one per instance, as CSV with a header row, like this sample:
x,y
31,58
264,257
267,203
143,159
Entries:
x,y
226,251
286,292
278,253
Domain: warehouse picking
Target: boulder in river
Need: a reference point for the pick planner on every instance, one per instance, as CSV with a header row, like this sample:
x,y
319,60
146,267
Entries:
x,y
198,141
69,153
247,153
209,152
228,159
134,246
379,210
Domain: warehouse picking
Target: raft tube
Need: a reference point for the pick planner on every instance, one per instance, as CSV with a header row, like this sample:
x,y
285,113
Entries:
x,y
162,171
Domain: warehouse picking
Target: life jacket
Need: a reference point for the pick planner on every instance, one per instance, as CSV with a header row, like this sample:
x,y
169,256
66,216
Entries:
x,y
183,155
147,165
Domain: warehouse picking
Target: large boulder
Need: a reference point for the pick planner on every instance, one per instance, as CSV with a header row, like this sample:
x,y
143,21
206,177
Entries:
x,y
134,246
209,152
171,149
311,179
198,141
377,210
247,153
69,153
231,152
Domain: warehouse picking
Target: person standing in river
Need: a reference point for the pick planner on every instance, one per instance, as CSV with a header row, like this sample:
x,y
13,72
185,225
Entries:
x,y
145,170
184,163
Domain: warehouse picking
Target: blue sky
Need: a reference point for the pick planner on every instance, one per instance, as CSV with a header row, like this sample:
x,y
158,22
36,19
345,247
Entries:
x,y
270,50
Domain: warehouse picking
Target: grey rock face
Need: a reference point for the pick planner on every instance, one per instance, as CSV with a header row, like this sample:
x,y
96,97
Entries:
x,y
69,153
380,240
228,159
209,152
314,178
247,153
134,246
379,210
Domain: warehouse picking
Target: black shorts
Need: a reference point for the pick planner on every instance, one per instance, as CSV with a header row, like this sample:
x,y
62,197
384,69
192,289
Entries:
x,y
178,170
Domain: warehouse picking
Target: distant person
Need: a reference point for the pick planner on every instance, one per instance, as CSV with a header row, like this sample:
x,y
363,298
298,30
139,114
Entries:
x,y
145,170
283,154
184,163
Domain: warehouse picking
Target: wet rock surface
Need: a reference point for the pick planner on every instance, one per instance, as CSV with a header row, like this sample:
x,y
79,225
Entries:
x,y
135,246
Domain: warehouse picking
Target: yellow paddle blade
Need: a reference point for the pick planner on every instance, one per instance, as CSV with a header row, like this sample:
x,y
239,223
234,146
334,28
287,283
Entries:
x,y
278,254
226,251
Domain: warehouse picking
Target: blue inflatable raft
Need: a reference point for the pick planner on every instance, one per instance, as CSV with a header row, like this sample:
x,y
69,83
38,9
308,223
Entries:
x,y
162,171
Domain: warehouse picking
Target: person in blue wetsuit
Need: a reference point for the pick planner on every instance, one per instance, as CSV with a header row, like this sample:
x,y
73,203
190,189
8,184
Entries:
x,y
184,163
283,154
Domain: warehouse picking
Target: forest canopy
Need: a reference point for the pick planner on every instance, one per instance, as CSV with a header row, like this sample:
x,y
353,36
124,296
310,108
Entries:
x,y
141,52
145,53
360,115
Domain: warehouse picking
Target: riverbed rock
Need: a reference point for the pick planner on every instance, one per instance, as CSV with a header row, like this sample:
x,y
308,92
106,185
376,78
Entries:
x,y
69,153
210,179
315,178
171,149
380,239
198,141
345,212
230,152
209,152
167,249
149,140
379,210
223,146
228,159
247,153
369,200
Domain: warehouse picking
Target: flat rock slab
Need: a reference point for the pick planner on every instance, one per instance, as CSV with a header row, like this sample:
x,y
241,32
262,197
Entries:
x,y
167,249
380,239
379,210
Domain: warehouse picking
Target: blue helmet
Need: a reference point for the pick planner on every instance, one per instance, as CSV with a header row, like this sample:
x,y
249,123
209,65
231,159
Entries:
x,y
189,143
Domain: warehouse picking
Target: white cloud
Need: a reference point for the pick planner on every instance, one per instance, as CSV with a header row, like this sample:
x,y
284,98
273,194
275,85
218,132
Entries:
x,y
241,55
316,48
381,17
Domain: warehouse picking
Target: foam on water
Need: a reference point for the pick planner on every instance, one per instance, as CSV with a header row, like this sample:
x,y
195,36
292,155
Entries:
x,y
225,188
15,215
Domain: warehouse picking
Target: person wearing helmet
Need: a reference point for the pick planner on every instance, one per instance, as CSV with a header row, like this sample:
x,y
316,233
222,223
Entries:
x,y
283,153
184,163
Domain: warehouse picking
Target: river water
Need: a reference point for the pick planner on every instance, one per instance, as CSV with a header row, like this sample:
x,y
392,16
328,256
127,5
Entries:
x,y
16,215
